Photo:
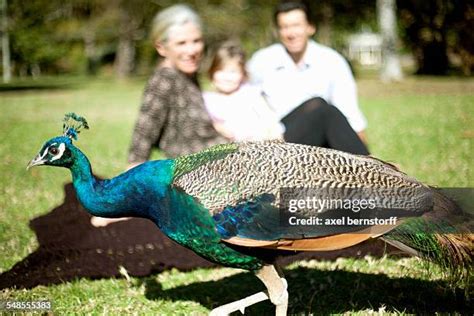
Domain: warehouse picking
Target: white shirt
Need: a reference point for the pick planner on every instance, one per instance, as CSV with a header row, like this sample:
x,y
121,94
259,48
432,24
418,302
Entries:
x,y
323,73
244,114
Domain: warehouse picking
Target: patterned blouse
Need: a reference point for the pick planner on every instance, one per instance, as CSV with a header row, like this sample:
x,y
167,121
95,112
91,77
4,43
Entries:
x,y
172,117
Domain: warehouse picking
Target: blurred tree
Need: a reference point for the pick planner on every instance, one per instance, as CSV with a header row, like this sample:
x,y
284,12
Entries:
x,y
89,26
435,28
125,53
133,23
387,20
336,19
325,24
461,41
6,65
55,36
32,34
250,21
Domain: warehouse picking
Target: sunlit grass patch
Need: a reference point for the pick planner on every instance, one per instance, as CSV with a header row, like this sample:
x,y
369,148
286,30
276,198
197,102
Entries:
x,y
425,126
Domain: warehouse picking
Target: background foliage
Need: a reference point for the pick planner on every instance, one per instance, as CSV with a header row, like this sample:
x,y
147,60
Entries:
x,y
111,36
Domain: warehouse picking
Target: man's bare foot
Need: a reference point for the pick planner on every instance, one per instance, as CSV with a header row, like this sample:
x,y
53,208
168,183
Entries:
x,y
102,221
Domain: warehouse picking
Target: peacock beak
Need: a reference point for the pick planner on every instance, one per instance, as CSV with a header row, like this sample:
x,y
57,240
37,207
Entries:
x,y
37,161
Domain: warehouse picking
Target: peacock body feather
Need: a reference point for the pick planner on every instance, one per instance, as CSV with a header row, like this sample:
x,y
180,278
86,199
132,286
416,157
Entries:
x,y
223,203
146,191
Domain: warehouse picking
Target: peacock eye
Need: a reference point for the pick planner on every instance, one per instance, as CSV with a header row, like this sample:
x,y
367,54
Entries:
x,y
53,151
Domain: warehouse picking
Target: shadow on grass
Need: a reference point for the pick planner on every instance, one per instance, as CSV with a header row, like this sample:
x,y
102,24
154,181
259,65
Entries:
x,y
42,84
71,248
324,292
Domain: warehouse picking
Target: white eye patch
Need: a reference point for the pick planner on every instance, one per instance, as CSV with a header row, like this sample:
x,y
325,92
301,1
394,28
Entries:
x,y
61,148
45,152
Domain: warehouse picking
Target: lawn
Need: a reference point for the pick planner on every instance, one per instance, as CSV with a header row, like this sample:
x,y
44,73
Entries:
x,y
423,125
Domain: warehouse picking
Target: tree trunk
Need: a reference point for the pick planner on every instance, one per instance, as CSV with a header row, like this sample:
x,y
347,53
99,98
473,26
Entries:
x,y
90,52
7,71
125,56
434,59
386,14
325,25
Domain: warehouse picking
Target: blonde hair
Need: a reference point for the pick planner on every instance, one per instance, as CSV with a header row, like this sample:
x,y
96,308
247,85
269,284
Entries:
x,y
170,17
227,51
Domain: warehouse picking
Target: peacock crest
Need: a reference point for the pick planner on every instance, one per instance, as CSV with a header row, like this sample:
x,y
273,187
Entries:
x,y
72,125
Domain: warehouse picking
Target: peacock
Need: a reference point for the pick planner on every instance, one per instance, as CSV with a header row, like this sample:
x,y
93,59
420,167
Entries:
x,y
242,204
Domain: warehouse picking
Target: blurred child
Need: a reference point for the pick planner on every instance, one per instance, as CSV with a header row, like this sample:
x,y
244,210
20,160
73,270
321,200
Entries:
x,y
237,109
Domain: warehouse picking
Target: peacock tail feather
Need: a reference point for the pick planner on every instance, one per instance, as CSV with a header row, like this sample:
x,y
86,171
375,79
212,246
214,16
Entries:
x,y
443,236
240,186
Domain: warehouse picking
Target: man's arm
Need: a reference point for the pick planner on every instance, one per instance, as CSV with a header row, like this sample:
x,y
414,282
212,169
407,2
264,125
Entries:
x,y
255,68
344,96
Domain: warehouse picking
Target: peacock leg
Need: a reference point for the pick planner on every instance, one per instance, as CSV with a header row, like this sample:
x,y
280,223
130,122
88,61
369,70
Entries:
x,y
277,287
239,305
276,291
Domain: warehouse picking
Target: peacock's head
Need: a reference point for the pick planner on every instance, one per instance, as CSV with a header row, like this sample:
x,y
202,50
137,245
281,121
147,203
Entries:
x,y
58,150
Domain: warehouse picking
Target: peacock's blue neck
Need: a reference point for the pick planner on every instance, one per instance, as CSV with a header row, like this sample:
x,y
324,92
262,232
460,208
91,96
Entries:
x,y
128,194
81,170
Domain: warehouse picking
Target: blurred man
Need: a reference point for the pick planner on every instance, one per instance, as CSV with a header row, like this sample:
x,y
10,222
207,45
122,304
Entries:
x,y
307,84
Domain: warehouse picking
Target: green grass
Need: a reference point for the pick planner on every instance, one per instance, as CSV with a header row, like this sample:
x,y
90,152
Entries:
x,y
425,126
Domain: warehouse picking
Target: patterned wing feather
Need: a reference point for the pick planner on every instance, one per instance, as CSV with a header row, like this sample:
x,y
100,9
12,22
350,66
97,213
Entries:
x,y
260,220
186,164
257,168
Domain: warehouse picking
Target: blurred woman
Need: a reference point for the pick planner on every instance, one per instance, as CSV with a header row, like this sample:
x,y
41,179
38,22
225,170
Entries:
x,y
172,117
